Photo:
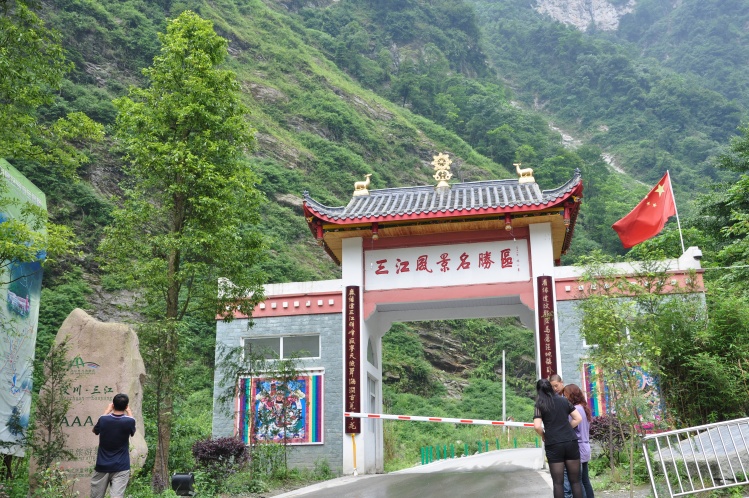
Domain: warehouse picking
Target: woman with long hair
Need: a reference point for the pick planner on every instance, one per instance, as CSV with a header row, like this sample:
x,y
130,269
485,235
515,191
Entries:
x,y
575,396
559,419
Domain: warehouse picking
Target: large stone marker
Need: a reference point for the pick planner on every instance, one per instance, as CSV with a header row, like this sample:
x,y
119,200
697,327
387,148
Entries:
x,y
105,360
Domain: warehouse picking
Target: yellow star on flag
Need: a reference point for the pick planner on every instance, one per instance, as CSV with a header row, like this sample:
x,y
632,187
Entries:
x,y
660,190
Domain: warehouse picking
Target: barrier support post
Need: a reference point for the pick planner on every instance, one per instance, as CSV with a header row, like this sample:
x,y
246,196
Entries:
x,y
353,443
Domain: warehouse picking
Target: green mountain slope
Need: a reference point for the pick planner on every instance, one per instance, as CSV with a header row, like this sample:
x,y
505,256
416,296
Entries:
x,y
706,38
649,117
341,89
319,128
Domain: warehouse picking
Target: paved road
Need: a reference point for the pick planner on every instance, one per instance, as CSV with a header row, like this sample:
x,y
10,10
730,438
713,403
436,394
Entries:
x,y
506,473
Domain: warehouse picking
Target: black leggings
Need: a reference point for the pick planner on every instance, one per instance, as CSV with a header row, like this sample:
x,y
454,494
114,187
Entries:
x,y
573,472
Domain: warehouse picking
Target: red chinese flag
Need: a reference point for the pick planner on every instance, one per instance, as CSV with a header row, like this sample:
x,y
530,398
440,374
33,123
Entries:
x,y
647,219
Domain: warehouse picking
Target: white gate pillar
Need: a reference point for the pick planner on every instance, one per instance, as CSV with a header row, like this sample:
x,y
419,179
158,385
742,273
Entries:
x,y
352,273
542,264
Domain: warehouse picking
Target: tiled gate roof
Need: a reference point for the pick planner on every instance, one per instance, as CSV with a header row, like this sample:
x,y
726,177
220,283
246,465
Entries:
x,y
461,199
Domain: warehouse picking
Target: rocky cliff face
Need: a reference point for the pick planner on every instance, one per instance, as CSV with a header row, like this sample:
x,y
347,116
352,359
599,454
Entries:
x,y
604,15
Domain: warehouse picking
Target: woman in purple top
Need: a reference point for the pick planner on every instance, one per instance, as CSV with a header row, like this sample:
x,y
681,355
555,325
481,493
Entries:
x,y
575,396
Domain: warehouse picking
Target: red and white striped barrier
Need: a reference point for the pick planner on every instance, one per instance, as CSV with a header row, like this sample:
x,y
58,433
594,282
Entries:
x,y
437,419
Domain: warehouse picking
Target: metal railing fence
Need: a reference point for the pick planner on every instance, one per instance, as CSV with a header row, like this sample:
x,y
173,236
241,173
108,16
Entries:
x,y
699,459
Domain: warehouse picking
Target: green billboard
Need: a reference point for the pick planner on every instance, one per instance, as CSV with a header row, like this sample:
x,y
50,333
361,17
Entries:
x,y
20,290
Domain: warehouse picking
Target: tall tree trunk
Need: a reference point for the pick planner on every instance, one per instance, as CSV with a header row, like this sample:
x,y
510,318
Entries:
x,y
164,429
611,443
165,407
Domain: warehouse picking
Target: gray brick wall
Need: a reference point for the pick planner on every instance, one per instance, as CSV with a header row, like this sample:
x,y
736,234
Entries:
x,y
330,328
570,342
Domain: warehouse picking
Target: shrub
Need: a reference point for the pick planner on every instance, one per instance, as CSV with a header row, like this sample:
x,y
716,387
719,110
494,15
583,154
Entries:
x,y
610,433
54,482
322,470
268,459
220,457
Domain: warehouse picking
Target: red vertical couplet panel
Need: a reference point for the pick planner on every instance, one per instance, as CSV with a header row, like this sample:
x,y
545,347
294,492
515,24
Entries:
x,y
352,358
547,326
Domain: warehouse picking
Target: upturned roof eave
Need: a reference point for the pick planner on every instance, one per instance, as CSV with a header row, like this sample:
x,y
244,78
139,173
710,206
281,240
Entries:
x,y
572,189
442,214
574,211
314,209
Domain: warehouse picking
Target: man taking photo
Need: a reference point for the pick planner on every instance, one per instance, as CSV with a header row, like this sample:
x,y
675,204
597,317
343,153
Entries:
x,y
114,428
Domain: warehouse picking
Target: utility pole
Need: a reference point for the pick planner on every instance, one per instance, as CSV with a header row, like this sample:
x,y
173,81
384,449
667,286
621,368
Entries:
x,y
504,386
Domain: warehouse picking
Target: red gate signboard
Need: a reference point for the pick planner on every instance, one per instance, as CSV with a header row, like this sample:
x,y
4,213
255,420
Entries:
x,y
352,358
546,327
443,265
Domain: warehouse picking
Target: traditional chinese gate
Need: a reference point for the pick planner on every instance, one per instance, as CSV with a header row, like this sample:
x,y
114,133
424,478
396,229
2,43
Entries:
x,y
467,250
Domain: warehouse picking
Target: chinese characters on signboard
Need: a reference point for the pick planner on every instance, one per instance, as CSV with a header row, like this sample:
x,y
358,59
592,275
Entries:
x,y
352,359
546,326
101,393
458,264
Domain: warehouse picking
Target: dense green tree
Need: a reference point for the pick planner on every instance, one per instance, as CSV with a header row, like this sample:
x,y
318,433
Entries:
x,y
190,204
52,405
26,235
724,216
626,318
696,346
33,65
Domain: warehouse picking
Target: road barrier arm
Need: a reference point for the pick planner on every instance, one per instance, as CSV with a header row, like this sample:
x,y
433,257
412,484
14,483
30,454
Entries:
x,y
416,418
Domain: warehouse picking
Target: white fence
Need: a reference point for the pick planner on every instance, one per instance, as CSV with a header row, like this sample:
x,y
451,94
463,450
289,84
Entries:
x,y
699,459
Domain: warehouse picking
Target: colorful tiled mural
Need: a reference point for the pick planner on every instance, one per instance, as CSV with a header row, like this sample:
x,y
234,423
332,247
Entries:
x,y
600,397
272,410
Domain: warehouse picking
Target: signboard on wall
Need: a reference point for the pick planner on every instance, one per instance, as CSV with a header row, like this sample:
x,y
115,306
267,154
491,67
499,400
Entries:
x,y
546,326
352,358
443,265
20,290
281,411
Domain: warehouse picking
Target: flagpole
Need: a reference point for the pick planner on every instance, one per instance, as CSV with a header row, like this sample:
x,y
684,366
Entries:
x,y
678,223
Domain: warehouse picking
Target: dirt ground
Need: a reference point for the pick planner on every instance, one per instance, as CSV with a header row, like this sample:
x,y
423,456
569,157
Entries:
x,y
638,492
